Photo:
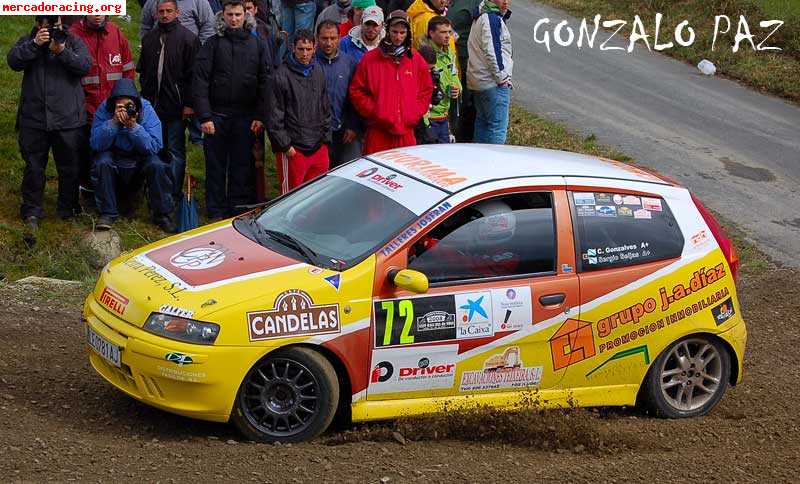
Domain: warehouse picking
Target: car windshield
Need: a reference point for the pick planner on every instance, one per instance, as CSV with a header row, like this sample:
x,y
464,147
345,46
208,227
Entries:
x,y
346,215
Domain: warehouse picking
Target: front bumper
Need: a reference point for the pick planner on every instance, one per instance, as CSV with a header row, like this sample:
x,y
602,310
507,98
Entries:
x,y
204,389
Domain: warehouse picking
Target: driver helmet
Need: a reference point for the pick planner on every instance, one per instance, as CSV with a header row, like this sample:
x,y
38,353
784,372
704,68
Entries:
x,y
497,226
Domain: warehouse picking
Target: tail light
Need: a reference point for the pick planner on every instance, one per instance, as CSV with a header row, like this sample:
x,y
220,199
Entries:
x,y
724,242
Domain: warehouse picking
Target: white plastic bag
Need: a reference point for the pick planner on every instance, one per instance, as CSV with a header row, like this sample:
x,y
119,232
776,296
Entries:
x,y
707,67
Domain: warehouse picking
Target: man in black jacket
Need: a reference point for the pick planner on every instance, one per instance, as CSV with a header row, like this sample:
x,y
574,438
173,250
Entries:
x,y
299,123
50,114
230,98
165,74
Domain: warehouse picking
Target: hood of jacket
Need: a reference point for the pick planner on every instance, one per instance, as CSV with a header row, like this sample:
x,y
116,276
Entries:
x,y
487,6
124,87
419,7
221,28
355,36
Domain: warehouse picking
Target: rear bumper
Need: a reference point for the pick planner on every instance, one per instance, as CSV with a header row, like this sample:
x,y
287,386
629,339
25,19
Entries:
x,y
204,389
736,337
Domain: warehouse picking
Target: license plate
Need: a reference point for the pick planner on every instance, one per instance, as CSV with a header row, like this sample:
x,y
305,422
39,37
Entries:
x,y
104,348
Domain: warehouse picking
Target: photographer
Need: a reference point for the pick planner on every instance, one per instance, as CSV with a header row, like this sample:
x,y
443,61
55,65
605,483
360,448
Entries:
x,y
50,113
126,137
446,85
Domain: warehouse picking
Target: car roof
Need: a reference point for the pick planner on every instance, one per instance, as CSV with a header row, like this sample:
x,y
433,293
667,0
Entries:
x,y
457,166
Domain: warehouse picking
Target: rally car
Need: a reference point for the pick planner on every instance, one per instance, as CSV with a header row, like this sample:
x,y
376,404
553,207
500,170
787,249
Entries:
x,y
401,281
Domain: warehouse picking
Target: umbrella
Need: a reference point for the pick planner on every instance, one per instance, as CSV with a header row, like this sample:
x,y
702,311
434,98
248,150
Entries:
x,y
188,218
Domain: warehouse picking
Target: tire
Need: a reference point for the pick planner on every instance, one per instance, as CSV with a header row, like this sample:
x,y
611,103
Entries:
x,y
693,364
290,395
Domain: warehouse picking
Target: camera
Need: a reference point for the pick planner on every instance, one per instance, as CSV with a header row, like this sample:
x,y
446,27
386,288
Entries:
x,y
57,34
130,110
437,95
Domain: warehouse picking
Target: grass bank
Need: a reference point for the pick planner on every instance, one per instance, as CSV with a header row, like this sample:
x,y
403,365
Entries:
x,y
776,72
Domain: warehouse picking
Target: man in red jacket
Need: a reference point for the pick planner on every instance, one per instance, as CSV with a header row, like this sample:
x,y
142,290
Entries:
x,y
111,61
391,88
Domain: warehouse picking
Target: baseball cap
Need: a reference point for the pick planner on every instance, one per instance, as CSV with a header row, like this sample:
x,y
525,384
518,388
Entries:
x,y
372,14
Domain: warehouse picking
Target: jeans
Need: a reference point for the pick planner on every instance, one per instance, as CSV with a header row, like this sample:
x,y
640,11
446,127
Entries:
x,y
230,170
441,130
491,115
173,133
301,16
34,146
112,171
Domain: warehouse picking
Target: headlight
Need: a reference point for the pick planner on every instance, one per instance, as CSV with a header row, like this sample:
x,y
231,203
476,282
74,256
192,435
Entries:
x,y
182,329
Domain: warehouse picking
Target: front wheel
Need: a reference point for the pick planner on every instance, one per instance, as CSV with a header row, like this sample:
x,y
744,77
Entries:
x,y
689,378
288,396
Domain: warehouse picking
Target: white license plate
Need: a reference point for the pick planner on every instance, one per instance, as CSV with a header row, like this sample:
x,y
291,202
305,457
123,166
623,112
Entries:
x,y
106,349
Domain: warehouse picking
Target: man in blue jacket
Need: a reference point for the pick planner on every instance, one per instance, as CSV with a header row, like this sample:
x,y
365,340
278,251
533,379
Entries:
x,y
126,139
338,68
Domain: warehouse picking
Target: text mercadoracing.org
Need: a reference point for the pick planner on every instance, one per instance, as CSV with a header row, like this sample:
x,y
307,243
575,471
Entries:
x,y
62,7
547,32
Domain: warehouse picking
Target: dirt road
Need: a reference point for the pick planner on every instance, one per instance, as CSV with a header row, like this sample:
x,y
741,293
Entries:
x,y
60,421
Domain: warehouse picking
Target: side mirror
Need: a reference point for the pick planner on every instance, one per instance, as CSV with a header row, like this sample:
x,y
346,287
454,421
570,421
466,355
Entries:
x,y
410,280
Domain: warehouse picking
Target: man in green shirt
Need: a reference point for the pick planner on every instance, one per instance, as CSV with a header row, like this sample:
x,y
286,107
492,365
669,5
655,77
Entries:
x,y
447,85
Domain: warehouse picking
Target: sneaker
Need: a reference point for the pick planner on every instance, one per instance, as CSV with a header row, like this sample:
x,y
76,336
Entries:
x,y
32,223
104,223
165,223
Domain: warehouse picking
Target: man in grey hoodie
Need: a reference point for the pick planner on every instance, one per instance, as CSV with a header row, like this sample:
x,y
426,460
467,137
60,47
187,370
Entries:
x,y
196,15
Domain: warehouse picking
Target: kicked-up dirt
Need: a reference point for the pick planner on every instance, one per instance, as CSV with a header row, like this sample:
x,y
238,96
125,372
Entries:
x,y
61,421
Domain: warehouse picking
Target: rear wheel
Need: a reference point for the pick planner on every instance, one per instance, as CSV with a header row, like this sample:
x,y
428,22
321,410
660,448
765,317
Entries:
x,y
289,396
689,378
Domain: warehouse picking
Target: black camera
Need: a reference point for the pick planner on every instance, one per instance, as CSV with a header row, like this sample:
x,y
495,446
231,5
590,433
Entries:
x,y
130,110
57,34
437,95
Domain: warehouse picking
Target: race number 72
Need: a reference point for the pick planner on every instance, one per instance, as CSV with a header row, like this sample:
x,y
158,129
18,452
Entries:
x,y
405,311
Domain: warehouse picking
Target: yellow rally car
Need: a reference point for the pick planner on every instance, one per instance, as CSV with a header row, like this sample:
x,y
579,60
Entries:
x,y
429,275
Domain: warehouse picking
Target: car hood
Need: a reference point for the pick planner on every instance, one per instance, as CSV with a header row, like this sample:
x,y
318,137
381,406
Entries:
x,y
196,274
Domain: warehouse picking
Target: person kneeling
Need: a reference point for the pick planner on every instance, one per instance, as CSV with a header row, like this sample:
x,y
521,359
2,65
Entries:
x,y
126,139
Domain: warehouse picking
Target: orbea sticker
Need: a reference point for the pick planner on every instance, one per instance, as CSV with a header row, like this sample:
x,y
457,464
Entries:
x,y
294,314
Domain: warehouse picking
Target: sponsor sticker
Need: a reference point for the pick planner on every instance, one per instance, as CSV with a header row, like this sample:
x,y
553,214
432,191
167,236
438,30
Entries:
x,y
334,281
624,212
642,214
400,370
294,314
602,198
199,258
181,375
501,370
606,211
473,320
175,311
315,270
631,200
436,320
723,312
617,199
511,308
583,198
585,210
700,238
415,320
573,342
113,300
179,358
653,204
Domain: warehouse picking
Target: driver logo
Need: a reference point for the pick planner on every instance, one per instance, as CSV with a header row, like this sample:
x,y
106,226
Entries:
x,y
382,372
367,172
198,258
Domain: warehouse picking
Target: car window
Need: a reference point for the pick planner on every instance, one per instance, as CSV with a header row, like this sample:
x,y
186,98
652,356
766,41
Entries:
x,y
615,230
349,213
497,237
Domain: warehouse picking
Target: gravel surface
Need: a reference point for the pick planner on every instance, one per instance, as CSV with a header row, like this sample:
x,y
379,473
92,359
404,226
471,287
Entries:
x,y
61,421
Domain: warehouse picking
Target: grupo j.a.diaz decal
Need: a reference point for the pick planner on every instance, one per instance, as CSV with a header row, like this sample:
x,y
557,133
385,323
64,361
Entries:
x,y
294,314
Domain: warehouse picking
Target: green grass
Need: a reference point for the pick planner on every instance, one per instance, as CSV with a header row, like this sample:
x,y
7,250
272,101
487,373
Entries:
x,y
769,71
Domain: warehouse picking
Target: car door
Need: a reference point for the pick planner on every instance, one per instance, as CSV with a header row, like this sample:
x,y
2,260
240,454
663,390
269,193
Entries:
x,y
497,279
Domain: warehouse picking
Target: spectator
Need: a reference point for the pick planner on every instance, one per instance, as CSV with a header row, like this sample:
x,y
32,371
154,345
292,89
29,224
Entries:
x,y
300,115
358,10
423,133
460,14
50,113
339,13
165,74
338,69
421,12
126,137
196,15
230,89
298,14
389,6
267,30
391,88
489,71
111,61
365,37
446,85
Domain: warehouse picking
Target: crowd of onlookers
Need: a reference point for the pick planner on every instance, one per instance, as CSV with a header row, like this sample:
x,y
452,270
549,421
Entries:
x,y
318,83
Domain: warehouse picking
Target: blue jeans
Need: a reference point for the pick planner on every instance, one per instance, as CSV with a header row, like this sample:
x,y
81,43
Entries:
x,y
174,134
491,115
111,171
301,16
441,130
